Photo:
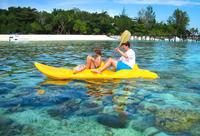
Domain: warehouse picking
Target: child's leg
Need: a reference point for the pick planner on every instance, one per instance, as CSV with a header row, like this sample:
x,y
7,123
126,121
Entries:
x,y
90,62
79,68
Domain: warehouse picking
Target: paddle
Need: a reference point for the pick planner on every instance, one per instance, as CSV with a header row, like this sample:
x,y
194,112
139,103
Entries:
x,y
125,36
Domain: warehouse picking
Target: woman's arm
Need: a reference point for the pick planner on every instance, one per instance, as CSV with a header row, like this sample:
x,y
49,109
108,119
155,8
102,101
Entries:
x,y
121,52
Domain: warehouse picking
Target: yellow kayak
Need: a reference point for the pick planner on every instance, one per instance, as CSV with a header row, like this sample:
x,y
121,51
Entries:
x,y
65,73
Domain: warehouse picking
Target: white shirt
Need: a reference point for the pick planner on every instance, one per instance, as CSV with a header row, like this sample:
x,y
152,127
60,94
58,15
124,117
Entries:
x,y
130,61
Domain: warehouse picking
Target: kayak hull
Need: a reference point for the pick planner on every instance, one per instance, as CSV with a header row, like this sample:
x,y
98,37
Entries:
x,y
64,73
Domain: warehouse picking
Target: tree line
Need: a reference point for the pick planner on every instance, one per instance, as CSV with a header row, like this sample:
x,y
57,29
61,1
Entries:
x,y
27,20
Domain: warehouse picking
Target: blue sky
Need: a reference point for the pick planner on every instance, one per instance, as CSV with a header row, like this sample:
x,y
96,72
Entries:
x,y
162,8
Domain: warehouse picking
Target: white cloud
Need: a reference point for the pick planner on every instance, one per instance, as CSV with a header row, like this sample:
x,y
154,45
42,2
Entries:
x,y
160,2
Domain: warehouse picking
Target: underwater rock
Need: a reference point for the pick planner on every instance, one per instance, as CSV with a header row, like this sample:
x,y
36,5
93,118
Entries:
x,y
108,109
135,100
28,130
90,111
131,109
157,101
14,109
143,94
123,100
161,134
30,116
149,107
190,97
5,121
6,87
139,107
113,121
195,130
8,127
89,105
151,131
89,108
55,113
175,120
107,100
152,108
120,99
140,97
141,123
70,103
35,101
66,109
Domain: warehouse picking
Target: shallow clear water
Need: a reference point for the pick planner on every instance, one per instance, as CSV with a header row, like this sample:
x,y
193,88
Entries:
x,y
169,105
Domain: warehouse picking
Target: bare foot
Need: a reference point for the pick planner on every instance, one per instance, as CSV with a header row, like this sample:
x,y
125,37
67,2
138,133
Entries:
x,y
96,71
79,68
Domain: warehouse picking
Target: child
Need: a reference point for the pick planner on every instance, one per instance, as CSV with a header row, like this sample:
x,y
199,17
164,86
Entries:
x,y
91,62
126,61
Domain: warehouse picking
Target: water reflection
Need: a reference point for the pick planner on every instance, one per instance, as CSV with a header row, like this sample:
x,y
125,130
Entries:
x,y
55,82
97,90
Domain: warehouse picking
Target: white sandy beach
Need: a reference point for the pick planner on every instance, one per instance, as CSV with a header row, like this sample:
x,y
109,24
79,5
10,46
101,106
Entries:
x,y
47,37
42,37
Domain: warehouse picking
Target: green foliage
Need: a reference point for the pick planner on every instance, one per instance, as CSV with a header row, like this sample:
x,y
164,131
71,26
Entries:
x,y
80,27
36,28
179,20
122,23
27,20
193,31
147,17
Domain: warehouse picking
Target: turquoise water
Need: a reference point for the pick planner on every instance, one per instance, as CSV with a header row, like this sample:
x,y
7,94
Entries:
x,y
169,105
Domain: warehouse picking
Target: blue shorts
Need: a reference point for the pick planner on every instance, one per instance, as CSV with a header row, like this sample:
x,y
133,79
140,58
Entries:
x,y
121,65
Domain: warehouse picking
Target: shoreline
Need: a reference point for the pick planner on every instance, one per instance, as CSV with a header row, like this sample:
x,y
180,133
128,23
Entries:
x,y
51,37
46,37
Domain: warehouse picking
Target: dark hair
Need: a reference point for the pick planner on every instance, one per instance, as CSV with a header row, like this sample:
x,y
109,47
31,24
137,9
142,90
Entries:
x,y
97,51
126,44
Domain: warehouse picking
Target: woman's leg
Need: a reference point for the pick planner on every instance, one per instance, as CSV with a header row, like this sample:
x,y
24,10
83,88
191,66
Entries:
x,y
110,62
89,62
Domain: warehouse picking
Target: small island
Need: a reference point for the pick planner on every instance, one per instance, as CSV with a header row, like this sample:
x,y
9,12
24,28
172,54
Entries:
x,y
24,23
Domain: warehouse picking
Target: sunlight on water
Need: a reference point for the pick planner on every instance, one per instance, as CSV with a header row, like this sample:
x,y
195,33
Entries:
x,y
31,104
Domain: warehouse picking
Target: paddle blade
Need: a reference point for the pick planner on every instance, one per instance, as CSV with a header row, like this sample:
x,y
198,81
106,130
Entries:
x,y
125,36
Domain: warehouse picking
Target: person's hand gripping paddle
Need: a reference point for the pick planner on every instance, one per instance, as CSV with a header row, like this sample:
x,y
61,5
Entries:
x,y
125,37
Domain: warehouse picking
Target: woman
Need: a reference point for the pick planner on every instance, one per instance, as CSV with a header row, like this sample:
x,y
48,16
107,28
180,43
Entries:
x,y
126,61
91,62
